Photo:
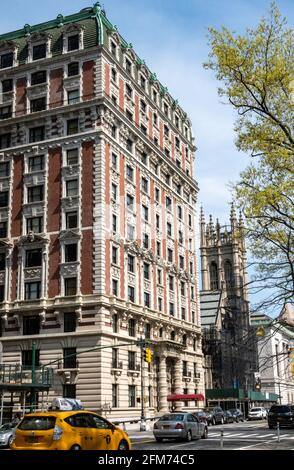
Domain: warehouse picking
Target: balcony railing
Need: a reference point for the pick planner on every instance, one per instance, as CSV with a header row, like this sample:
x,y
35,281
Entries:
x,y
22,374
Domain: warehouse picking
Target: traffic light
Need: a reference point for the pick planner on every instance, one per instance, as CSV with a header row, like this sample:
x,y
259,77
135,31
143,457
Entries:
x,y
147,355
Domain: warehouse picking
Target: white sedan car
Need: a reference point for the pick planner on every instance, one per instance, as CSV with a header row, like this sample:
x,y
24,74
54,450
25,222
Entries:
x,y
257,413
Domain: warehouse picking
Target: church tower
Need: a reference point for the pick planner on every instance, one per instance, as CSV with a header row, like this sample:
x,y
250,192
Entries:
x,y
224,303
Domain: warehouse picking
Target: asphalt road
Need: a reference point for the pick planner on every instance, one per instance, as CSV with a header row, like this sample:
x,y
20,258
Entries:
x,y
253,435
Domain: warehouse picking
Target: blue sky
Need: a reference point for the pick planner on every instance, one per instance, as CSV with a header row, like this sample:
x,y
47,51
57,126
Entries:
x,y
171,36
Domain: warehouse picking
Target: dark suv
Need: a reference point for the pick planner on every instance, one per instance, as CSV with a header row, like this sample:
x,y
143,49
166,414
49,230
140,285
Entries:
x,y
282,414
217,415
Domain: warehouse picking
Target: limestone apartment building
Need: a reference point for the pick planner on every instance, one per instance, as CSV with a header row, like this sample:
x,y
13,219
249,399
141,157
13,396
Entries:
x,y
97,218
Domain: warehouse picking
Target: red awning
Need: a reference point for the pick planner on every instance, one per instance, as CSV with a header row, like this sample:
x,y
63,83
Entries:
x,y
186,397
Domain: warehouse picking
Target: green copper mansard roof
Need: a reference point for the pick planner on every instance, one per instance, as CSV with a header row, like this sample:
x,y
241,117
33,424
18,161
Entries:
x,y
96,26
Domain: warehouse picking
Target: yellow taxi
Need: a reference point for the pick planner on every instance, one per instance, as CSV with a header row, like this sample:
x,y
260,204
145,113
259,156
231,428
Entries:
x,y
68,430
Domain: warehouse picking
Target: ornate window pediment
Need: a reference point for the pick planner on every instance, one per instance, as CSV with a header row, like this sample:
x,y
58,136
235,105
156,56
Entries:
x,y
69,235
9,48
32,237
39,46
73,37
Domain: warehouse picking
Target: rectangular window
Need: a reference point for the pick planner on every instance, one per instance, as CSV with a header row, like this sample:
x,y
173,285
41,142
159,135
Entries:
x,y
130,232
39,77
114,255
130,173
129,91
70,252
157,221
180,212
147,299
182,261
181,239
33,258
130,202
146,240
131,293
171,309
143,82
72,126
4,198
6,60
115,323
69,358
7,85
192,293
159,304
32,290
177,141
113,48
70,286
115,396
158,248
144,185
5,112
157,195
145,212
190,220
182,288
37,134
36,163
166,131
129,115
71,219
132,327
114,161
169,229
39,51
114,191
5,141
72,157
131,360
131,263
31,325
69,322
132,396
69,390
114,223
35,224
27,358
129,145
146,271
147,330
143,129
73,96
128,66
168,202
73,69
171,283
167,152
3,229
170,255
115,287
71,188
113,75
73,42
2,261
183,313
143,106
35,193
159,276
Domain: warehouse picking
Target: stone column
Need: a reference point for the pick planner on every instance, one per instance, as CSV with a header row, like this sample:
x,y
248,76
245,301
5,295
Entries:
x,y
163,407
178,382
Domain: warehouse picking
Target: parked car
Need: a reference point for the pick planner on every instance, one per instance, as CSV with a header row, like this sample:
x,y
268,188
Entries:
x,y
203,416
237,414
6,434
229,417
179,426
68,430
218,415
282,414
257,413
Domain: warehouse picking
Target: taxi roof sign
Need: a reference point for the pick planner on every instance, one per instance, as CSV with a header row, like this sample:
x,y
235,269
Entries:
x,y
66,404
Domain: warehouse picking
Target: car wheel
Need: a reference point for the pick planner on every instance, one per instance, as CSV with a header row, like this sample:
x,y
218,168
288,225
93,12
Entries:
x,y
189,436
75,447
158,439
205,434
123,445
10,440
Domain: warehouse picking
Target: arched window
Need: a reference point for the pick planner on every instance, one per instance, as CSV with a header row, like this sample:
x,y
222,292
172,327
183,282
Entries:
x,y
228,273
172,336
213,276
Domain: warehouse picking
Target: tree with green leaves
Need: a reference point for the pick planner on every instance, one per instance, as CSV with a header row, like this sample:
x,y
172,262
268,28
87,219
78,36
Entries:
x,y
256,71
